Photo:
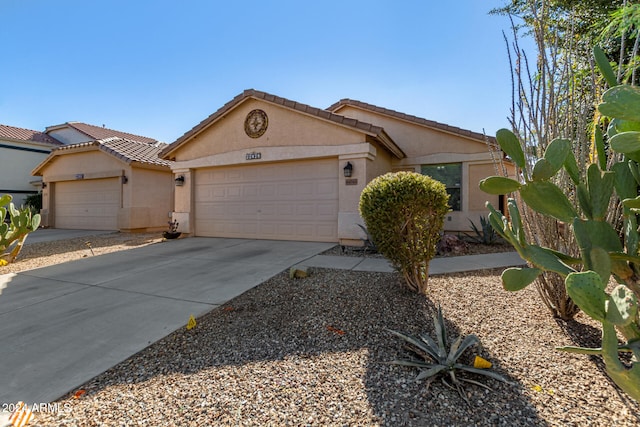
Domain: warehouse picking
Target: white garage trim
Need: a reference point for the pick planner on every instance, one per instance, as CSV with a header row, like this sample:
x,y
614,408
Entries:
x,y
87,204
279,201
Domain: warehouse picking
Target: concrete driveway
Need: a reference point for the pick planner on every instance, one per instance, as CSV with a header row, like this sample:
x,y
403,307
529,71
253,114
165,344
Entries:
x,y
62,325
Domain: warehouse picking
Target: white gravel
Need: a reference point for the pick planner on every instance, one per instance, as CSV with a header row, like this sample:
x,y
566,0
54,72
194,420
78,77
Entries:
x,y
314,351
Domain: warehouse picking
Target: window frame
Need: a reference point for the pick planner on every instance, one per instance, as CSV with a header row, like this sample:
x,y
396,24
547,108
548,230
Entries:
x,y
458,187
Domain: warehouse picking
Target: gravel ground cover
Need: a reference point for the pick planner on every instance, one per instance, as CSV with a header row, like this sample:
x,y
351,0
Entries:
x,y
36,255
315,351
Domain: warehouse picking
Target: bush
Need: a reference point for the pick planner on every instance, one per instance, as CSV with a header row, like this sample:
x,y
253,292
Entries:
x,y
34,201
404,213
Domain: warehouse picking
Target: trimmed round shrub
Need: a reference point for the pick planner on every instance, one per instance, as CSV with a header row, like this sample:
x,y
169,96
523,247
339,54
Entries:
x,y
404,214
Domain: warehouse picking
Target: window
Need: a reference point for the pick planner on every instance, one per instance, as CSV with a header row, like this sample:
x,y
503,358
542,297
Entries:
x,y
450,174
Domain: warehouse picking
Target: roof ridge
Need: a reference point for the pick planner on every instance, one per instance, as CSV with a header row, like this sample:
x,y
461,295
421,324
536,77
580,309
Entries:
x,y
24,134
100,132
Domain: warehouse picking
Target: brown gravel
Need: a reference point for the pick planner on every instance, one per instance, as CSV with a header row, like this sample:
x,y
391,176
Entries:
x,y
36,255
313,351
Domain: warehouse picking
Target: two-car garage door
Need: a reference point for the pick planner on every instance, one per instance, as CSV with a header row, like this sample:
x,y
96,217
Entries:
x,y
91,204
280,201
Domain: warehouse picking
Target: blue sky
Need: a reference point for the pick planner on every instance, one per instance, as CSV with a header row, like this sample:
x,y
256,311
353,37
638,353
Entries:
x,y
157,68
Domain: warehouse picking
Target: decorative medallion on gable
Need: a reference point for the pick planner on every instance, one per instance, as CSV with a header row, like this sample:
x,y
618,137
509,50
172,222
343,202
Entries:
x,y
255,125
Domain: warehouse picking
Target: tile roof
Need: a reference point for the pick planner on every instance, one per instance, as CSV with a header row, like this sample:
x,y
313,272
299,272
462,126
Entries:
x,y
99,132
375,131
126,150
21,134
410,118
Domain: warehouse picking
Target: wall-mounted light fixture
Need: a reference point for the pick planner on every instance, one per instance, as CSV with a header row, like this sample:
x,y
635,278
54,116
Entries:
x,y
179,180
125,179
44,185
348,170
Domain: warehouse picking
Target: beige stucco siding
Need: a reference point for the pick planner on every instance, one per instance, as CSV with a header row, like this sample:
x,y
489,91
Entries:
x,y
285,128
66,166
148,200
478,198
80,182
414,139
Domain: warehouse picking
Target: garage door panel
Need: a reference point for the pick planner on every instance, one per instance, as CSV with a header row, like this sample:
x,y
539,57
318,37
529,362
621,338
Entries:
x,y
287,201
87,204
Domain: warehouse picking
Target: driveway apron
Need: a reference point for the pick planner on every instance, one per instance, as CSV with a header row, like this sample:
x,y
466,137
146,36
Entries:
x,y
62,325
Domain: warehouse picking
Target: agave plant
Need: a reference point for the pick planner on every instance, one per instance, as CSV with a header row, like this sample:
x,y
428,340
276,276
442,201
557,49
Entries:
x,y
440,358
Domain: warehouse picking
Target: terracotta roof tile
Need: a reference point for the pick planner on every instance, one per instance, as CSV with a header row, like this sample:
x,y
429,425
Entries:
x,y
99,132
414,119
21,134
126,150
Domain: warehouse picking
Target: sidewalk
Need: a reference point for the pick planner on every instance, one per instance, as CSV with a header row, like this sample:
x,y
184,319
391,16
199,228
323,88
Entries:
x,y
443,265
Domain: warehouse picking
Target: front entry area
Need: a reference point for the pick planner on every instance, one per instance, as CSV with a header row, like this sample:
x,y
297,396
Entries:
x,y
279,201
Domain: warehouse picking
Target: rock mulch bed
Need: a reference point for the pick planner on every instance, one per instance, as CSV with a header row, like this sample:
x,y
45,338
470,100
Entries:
x,y
314,351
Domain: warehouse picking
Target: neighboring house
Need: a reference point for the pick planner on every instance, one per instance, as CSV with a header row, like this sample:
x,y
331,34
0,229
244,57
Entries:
x,y
77,132
107,184
20,151
269,168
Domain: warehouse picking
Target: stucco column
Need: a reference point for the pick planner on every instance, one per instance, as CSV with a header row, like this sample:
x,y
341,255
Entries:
x,y
349,190
47,205
183,213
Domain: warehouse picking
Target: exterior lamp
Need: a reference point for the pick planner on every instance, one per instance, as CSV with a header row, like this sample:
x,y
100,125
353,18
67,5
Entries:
x,y
179,181
348,170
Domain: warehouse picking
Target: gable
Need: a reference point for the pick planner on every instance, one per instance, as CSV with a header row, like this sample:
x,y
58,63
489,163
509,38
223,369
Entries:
x,y
68,135
81,162
418,139
286,127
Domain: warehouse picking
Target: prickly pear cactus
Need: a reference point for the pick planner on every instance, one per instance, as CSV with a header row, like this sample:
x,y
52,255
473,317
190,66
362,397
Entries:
x,y
605,251
14,232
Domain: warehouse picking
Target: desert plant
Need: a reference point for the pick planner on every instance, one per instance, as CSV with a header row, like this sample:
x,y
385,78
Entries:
x,y
14,233
441,356
368,244
34,201
404,213
173,226
609,246
486,234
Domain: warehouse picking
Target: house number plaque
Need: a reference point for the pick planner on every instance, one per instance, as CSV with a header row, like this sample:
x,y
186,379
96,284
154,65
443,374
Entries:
x,y
254,156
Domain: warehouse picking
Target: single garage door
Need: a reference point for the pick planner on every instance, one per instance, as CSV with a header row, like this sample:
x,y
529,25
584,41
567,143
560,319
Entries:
x,y
91,204
279,201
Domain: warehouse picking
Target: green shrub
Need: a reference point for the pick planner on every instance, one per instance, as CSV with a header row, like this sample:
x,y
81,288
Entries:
x,y
34,201
404,213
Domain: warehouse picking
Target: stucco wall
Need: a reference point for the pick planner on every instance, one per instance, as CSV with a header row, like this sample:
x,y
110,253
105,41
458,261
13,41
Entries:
x,y
147,200
285,128
15,174
66,166
147,194
414,139
424,146
68,135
